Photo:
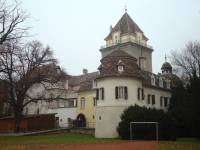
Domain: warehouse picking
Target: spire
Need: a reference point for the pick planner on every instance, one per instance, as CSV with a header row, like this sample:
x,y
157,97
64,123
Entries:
x,y
125,9
165,58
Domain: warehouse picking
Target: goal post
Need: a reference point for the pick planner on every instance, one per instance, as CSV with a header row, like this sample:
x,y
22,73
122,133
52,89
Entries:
x,y
144,123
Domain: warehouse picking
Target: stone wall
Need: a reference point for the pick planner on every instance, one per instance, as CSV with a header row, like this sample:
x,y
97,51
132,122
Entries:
x,y
90,131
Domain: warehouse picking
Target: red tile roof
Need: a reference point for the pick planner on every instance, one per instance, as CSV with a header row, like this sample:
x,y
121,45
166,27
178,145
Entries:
x,y
77,80
126,25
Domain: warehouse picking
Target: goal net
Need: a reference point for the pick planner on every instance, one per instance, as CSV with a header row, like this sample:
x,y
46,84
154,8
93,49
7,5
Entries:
x,y
144,130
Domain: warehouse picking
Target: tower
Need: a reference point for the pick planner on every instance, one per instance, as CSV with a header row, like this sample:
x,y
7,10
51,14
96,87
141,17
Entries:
x,y
133,41
166,67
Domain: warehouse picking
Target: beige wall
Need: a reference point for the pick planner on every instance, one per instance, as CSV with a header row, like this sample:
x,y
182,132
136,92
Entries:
x,y
135,52
89,109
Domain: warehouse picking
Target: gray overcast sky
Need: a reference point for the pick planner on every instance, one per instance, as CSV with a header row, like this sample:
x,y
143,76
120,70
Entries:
x,y
76,29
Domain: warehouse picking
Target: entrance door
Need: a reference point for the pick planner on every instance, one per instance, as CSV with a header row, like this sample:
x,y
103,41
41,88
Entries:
x,y
81,120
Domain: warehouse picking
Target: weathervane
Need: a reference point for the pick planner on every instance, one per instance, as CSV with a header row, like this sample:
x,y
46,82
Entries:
x,y
125,9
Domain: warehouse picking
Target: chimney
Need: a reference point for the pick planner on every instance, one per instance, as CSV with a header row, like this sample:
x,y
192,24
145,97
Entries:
x,y
85,71
110,28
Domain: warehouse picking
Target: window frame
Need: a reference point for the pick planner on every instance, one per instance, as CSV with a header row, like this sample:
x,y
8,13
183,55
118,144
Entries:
x,y
152,78
120,69
149,99
160,82
122,92
82,100
168,84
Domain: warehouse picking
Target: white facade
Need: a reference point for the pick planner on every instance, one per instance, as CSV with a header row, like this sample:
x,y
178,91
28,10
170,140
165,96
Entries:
x,y
64,114
110,109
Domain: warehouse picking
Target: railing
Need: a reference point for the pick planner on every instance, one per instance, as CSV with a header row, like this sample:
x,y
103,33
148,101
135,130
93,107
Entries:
x,y
127,40
37,128
84,124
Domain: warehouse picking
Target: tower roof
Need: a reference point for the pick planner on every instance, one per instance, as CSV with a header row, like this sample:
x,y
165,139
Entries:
x,y
126,25
119,54
166,65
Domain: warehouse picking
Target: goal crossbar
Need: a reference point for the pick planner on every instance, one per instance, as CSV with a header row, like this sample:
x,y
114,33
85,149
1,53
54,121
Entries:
x,y
144,122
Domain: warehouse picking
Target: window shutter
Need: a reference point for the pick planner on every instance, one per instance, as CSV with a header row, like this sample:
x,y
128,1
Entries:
x,y
126,92
153,99
102,93
165,101
116,92
76,103
142,94
138,93
97,94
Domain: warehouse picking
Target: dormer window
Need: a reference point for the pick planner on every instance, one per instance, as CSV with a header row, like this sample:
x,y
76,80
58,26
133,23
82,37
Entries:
x,y
168,84
120,68
58,69
160,82
152,80
94,84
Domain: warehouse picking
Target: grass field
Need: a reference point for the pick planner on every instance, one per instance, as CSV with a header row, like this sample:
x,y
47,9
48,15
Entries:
x,y
28,142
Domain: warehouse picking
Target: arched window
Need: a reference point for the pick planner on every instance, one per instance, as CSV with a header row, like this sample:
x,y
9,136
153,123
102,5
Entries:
x,y
83,102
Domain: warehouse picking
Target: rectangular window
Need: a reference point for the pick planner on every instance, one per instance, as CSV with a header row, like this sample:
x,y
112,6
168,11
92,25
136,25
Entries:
x,y
120,68
142,94
38,111
100,94
94,102
149,99
152,80
121,92
144,64
161,83
62,104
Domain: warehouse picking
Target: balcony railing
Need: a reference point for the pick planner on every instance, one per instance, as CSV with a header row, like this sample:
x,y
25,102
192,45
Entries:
x,y
127,40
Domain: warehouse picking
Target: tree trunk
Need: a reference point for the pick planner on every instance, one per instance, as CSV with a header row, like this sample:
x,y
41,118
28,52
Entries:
x,y
18,118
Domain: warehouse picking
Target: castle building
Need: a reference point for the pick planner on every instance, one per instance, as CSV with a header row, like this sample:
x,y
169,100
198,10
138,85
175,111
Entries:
x,y
125,77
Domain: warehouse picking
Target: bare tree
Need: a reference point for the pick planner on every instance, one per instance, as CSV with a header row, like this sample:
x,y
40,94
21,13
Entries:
x,y
23,67
12,17
186,61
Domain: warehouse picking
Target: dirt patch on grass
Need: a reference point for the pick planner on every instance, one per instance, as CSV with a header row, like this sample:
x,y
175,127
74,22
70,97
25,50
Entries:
x,y
135,145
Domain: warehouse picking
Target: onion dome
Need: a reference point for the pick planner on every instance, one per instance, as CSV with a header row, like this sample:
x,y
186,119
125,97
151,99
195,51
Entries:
x,y
166,67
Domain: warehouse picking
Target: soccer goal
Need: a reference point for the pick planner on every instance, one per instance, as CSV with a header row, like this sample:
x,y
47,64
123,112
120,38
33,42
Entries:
x,y
144,123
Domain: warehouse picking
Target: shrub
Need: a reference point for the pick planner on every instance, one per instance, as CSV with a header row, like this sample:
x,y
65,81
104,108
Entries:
x,y
145,131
